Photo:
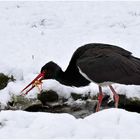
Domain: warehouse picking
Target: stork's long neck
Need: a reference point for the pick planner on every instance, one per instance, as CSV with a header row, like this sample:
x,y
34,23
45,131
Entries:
x,y
72,77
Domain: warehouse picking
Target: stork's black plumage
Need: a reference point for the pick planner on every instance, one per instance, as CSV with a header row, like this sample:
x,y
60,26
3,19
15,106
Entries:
x,y
103,64
100,63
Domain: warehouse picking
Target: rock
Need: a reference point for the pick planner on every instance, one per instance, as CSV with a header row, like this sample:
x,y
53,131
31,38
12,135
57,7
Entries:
x,y
36,108
77,113
48,96
78,108
4,80
77,105
91,105
130,104
21,102
76,96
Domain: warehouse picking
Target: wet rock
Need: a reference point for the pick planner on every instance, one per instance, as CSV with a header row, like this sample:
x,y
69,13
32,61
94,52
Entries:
x,y
21,102
77,105
36,108
91,105
76,96
48,96
107,101
130,104
77,109
81,108
4,80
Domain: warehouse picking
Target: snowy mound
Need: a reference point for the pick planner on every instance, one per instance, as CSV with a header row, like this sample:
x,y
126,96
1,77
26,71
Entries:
x,y
109,123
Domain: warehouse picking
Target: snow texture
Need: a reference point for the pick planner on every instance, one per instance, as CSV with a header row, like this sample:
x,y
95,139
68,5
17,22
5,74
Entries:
x,y
109,123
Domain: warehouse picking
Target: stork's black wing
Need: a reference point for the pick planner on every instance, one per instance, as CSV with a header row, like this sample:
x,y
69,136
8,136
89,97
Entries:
x,y
105,65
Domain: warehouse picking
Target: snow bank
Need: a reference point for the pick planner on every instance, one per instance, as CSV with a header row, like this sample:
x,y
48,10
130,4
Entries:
x,y
109,123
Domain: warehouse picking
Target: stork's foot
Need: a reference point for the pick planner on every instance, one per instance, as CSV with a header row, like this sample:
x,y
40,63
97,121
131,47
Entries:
x,y
100,98
116,96
116,99
101,95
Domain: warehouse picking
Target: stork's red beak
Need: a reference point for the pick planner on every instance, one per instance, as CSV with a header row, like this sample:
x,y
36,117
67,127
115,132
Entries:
x,y
32,84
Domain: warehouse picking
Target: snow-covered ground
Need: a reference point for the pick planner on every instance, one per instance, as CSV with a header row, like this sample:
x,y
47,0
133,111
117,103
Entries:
x,y
109,123
34,33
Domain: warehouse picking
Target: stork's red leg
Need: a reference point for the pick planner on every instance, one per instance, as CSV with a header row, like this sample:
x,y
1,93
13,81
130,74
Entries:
x,y
116,96
100,98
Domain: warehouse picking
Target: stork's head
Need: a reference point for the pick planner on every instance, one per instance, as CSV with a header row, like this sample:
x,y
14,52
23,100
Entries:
x,y
48,71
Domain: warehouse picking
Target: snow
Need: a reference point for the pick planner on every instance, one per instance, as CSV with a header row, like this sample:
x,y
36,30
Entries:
x,y
109,123
34,33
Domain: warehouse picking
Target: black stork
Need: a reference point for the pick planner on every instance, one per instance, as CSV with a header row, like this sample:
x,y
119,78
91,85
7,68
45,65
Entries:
x,y
102,64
